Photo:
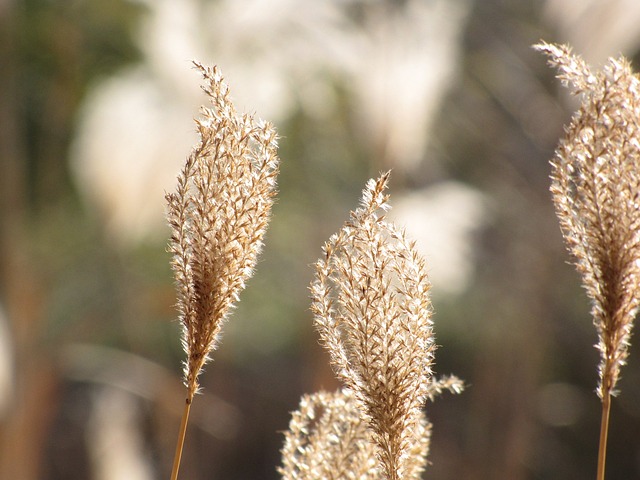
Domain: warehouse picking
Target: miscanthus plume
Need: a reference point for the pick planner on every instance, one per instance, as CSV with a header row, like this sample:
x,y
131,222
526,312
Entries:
x,y
595,183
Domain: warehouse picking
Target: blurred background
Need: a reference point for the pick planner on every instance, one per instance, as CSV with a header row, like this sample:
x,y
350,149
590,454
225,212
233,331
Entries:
x,y
96,105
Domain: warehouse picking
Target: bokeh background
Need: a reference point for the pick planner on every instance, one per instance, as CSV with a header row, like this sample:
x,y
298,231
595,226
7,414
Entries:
x,y
96,105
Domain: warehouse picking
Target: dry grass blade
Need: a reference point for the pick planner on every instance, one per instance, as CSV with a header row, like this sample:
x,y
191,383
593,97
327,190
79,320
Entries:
x,y
218,216
596,187
372,310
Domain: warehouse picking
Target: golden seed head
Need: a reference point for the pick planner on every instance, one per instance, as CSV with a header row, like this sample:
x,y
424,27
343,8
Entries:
x,y
595,183
218,216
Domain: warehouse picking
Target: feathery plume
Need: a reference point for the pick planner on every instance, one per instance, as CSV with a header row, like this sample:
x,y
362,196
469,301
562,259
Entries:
x,y
328,438
595,183
372,311
218,216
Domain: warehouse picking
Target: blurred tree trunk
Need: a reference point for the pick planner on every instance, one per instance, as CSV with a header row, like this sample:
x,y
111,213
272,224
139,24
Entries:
x,y
23,425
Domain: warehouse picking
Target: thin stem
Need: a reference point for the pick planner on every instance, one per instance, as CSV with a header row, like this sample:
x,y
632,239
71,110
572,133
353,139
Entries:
x,y
604,430
181,435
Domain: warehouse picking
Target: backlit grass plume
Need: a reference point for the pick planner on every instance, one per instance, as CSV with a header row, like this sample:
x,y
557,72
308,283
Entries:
x,y
596,187
328,438
370,299
218,216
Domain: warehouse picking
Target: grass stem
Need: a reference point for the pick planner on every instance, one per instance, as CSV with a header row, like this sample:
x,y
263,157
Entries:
x,y
181,435
604,431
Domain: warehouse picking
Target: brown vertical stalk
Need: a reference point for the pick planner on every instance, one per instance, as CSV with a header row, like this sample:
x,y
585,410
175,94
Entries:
x,y
181,435
604,432
24,429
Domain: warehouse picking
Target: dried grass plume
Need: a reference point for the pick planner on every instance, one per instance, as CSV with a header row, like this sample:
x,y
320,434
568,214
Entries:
x,y
595,183
596,187
218,216
327,438
370,300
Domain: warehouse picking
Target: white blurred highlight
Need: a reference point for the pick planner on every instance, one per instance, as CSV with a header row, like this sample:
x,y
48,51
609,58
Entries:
x,y
597,29
115,444
130,143
442,220
279,55
6,365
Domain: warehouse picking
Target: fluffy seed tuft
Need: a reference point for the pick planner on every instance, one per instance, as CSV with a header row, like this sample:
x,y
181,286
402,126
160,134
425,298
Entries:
x,y
218,216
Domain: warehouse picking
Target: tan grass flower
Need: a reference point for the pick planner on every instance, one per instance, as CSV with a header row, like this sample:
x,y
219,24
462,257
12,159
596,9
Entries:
x,y
372,310
595,186
595,183
218,216
328,438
